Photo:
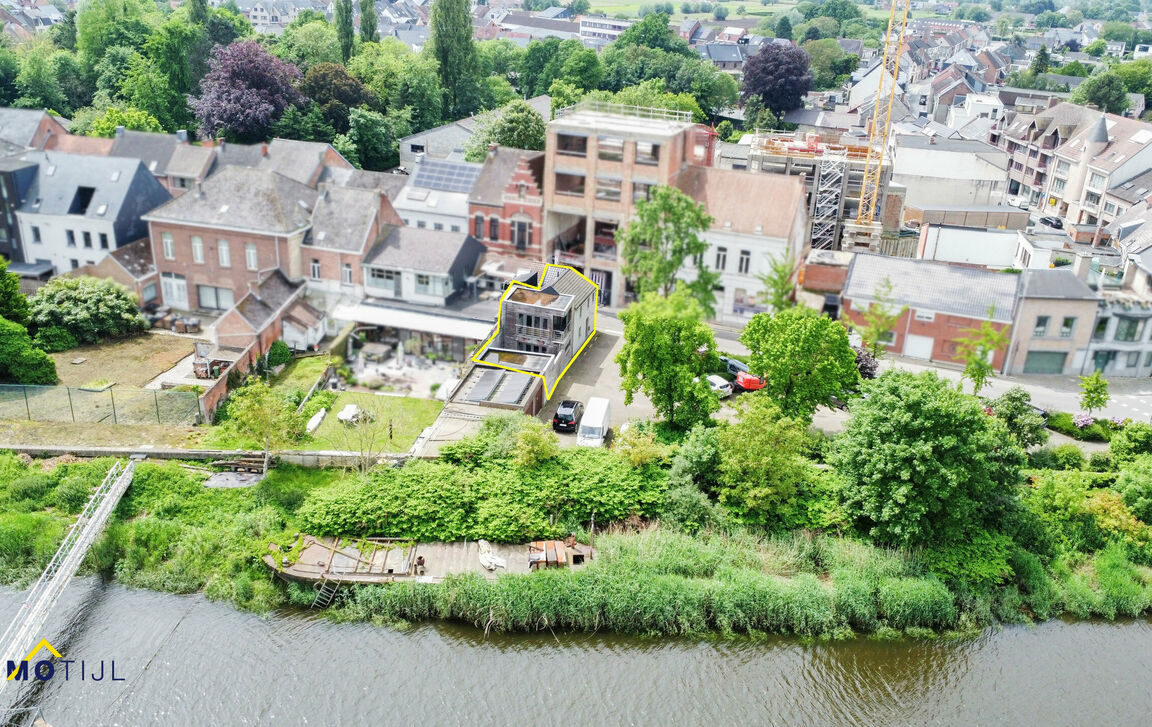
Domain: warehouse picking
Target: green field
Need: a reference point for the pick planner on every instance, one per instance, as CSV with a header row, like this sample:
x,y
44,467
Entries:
x,y
409,416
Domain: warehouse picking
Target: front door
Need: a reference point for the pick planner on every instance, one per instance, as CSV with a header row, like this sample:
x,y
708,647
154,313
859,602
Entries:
x,y
175,290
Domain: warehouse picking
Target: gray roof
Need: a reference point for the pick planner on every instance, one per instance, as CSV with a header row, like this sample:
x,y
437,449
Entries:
x,y
251,199
721,52
498,169
154,150
18,126
389,184
566,282
929,285
1135,189
135,258
1055,283
411,248
62,175
1099,132
343,218
190,161
296,160
446,176
259,306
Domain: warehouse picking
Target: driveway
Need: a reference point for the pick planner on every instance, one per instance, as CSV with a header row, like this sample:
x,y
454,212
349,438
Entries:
x,y
595,373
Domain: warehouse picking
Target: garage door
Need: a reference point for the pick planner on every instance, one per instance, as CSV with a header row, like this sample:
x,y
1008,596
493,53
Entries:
x,y
918,346
1045,362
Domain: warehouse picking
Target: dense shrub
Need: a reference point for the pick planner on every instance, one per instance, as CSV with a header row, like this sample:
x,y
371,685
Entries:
x,y
91,309
688,509
1039,592
20,361
1101,462
1069,457
1134,483
978,563
279,353
1014,408
72,494
1134,439
1063,422
54,338
698,460
909,602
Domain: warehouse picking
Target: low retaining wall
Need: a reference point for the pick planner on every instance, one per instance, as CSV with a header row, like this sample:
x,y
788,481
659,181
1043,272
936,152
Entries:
x,y
300,458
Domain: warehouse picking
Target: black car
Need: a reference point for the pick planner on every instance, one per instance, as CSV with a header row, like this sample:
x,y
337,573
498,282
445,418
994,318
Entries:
x,y
567,416
1053,222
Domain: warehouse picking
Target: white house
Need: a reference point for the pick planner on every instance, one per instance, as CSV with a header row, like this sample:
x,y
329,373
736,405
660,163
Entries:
x,y
948,171
436,196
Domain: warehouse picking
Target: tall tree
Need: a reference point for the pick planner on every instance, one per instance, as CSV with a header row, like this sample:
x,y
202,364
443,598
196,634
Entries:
x,y
517,125
977,347
344,30
452,45
778,281
372,141
368,32
13,303
245,92
145,87
101,24
1105,91
336,92
779,75
263,415
922,462
661,239
1042,62
661,357
784,28
804,358
197,11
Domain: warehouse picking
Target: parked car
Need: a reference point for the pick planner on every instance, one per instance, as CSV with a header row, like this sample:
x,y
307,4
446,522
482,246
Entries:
x,y
567,416
593,428
747,382
719,385
734,366
1052,222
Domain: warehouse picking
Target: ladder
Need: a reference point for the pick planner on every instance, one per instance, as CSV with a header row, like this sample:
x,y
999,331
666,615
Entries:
x,y
328,588
26,628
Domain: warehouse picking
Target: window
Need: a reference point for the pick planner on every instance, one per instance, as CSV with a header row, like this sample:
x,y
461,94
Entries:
x,y
455,228
383,278
1066,327
214,298
251,260
478,227
1109,208
1133,359
169,246
887,338
647,153
198,250
745,262
421,224
346,274
103,240
1096,181
1063,166
521,234
1092,199
223,253
721,258
87,239
71,237
608,189
148,293
569,145
424,284
75,263
1101,329
494,228
640,191
1148,359
1041,328
610,148
416,148
572,184
314,269
36,235
180,182
1129,329
1058,186
438,226
925,316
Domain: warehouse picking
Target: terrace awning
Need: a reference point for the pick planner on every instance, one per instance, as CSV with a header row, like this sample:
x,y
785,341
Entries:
x,y
408,320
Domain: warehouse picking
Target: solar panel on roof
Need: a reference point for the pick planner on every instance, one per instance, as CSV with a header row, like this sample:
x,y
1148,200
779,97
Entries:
x,y
485,385
514,387
447,176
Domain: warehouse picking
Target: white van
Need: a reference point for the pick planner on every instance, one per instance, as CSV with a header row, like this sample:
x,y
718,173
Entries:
x,y
594,424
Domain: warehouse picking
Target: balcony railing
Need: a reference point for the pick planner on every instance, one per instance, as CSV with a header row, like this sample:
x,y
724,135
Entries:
x,y
540,334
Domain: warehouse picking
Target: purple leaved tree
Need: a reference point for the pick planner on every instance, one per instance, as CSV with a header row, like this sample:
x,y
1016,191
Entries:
x,y
245,92
779,75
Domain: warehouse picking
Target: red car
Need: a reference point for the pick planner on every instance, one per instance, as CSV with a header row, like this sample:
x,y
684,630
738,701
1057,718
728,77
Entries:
x,y
748,382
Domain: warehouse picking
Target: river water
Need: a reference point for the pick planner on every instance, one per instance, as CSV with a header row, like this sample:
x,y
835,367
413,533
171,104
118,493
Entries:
x,y
188,661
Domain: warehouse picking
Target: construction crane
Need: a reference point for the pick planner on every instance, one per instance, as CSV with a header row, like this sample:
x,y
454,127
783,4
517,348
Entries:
x,y
882,111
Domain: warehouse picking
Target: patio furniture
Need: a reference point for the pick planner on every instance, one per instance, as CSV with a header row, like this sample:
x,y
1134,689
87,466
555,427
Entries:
x,y
192,325
376,352
350,414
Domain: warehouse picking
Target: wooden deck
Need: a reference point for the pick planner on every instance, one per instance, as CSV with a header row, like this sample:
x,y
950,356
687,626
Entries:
x,y
385,560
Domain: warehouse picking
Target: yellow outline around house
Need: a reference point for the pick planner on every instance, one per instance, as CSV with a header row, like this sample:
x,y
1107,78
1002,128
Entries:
x,y
500,310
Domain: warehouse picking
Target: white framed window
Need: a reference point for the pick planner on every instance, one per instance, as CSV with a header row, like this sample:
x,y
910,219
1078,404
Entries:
x,y
1041,328
198,250
745,262
223,254
346,273
926,315
721,258
36,235
103,240
169,246
251,260
314,269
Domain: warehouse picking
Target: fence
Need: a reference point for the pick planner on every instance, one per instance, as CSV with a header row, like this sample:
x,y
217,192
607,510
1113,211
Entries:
x,y
114,405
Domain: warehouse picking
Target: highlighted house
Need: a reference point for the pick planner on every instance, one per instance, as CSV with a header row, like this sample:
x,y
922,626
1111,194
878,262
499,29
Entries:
x,y
543,325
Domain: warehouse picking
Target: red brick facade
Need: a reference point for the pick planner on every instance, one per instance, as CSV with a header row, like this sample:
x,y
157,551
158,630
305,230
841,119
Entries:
x,y
945,330
519,220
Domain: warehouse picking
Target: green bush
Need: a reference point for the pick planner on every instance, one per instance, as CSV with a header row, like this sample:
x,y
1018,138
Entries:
x,y
1101,462
90,309
1069,457
20,361
1042,459
31,487
1121,591
72,494
279,353
1134,483
688,509
1061,421
54,338
1039,592
909,602
978,562
1134,439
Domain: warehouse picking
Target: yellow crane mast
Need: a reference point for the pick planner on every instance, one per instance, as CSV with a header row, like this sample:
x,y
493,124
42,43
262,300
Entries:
x,y
882,111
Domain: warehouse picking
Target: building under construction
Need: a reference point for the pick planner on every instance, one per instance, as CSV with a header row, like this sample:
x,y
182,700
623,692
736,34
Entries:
x,y
833,171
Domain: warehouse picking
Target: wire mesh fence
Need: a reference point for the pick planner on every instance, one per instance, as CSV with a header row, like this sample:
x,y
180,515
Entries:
x,y
114,405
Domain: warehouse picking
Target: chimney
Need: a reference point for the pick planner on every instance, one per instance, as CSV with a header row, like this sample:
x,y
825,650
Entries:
x,y
1081,266
263,150
199,190
182,136
119,131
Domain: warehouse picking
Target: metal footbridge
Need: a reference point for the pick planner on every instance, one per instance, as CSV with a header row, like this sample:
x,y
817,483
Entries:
x,y
26,629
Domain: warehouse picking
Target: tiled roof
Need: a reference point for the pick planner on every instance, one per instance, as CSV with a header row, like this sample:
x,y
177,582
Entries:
x,y
725,194
238,197
343,217
135,258
259,306
498,169
1054,283
411,248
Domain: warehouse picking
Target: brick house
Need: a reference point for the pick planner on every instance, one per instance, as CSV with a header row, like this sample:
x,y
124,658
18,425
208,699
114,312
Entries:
x,y
506,207
942,301
273,310
131,266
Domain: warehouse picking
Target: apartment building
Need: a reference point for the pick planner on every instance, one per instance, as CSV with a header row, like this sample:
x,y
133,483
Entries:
x,y
600,30
506,206
601,159
1031,141
1106,154
1053,324
938,171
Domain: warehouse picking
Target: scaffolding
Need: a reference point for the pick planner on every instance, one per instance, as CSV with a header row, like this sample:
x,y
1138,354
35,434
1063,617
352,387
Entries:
x,y
26,629
828,203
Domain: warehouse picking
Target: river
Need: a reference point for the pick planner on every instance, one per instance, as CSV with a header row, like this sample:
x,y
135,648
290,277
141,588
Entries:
x,y
188,661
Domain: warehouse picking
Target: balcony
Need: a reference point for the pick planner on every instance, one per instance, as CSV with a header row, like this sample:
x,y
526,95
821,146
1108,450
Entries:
x,y
604,249
539,334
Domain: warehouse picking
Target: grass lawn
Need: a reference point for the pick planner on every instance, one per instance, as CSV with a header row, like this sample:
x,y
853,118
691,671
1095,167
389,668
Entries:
x,y
301,373
409,416
129,362
105,435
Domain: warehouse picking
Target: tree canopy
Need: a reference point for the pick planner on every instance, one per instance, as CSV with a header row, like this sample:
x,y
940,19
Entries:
x,y
779,76
245,92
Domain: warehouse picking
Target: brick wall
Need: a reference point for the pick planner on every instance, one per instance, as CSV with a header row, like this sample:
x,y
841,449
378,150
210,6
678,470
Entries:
x,y
523,201
945,330
824,278
237,276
